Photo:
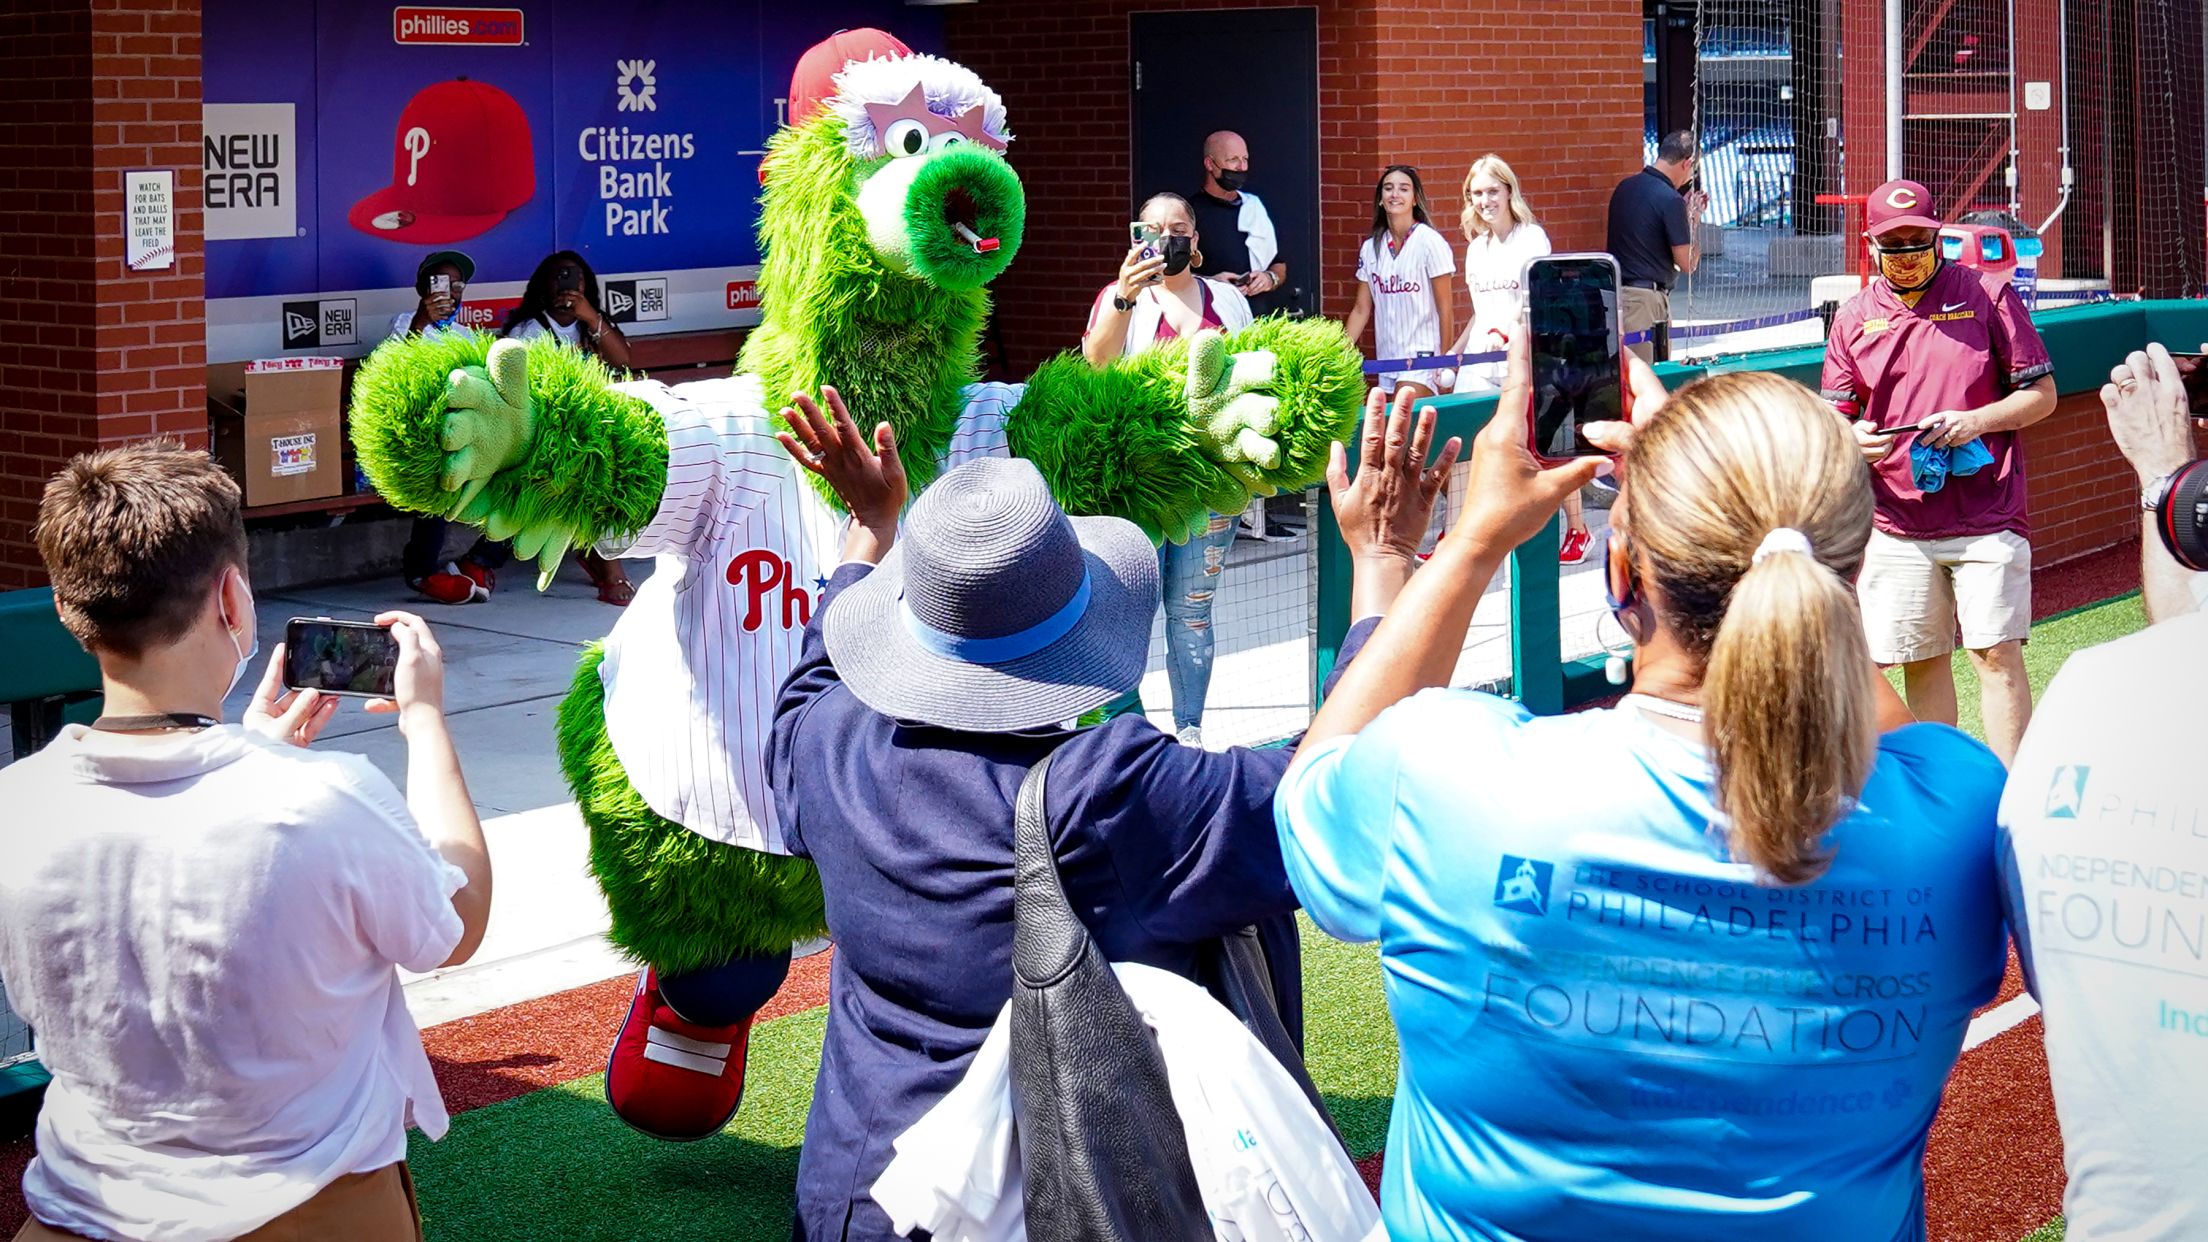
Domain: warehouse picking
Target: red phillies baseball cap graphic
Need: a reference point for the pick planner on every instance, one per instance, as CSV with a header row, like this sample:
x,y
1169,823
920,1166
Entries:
x,y
1899,205
461,159
813,82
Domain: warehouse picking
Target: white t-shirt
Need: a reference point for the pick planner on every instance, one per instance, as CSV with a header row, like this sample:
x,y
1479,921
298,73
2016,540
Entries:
x,y
1405,318
745,546
571,335
2105,821
203,931
1493,271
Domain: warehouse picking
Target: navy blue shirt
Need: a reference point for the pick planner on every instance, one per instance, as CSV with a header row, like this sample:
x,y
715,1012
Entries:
x,y
1160,847
1648,216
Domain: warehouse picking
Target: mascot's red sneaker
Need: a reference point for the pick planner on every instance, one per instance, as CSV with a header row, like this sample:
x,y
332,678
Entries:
x,y
673,1079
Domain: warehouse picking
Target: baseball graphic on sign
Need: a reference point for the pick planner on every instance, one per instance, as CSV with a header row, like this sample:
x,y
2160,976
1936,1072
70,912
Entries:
x,y
461,159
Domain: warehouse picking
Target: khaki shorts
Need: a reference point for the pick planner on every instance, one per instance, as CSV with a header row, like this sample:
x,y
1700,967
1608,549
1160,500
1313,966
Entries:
x,y
1640,310
1917,592
376,1206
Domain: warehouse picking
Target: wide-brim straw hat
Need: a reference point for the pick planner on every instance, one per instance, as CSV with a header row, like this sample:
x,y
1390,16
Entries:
x,y
995,611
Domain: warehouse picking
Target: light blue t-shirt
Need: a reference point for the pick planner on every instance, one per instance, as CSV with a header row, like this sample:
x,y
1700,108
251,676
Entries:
x,y
1608,1028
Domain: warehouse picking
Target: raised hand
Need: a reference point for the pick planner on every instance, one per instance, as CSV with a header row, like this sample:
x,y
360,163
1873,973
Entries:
x,y
1233,415
1382,509
1510,495
866,474
295,717
489,416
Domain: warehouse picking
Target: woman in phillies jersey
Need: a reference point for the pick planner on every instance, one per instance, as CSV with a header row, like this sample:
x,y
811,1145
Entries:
x,y
1404,278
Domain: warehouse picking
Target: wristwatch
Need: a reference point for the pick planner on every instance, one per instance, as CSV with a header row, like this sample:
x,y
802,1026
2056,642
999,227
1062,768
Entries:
x,y
1119,303
2153,494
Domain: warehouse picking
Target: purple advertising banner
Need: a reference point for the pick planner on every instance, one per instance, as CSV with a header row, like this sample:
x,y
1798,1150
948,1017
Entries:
x,y
346,141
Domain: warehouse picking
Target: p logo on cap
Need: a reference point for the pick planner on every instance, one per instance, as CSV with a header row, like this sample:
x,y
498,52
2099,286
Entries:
x,y
461,159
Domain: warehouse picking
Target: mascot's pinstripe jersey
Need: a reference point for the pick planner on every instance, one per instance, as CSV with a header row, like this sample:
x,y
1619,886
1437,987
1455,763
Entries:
x,y
886,214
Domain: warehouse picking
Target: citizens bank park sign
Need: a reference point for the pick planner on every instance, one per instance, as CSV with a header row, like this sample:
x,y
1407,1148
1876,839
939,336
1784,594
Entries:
x,y
345,142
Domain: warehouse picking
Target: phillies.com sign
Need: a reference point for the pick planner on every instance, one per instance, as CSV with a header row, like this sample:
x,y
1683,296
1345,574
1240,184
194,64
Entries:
x,y
477,27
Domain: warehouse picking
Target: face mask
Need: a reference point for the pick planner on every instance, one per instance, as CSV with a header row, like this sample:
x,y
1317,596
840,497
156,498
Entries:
x,y
244,657
1909,270
1231,179
1176,252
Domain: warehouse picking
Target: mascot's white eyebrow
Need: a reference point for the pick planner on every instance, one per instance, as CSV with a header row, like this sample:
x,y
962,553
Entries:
x,y
950,88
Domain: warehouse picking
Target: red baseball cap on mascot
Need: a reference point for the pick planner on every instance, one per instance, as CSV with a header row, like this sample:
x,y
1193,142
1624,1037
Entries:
x,y
1899,205
461,159
813,82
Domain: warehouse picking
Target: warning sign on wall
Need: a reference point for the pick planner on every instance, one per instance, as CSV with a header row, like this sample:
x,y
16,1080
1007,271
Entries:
x,y
149,219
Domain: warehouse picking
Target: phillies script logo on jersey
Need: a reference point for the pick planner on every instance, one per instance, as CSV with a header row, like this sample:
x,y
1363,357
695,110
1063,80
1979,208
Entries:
x,y
1396,284
767,579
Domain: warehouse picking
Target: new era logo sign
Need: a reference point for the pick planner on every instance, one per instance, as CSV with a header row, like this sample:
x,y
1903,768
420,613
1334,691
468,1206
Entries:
x,y
1522,884
312,325
634,301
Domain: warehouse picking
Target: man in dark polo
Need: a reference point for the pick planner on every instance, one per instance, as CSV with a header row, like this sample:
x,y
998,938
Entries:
x,y
1652,235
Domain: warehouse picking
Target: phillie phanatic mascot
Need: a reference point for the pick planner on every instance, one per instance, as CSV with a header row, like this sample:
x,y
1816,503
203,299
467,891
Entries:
x,y
887,211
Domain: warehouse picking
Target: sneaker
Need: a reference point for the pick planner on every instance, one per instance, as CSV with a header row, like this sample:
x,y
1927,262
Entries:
x,y
672,1079
481,575
450,586
1575,546
1191,735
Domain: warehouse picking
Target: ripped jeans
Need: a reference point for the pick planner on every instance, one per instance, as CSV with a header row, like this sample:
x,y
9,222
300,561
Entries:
x,y
1190,575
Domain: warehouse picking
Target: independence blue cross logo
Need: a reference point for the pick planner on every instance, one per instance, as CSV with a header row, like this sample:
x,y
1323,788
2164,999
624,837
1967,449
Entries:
x,y
1522,884
2066,792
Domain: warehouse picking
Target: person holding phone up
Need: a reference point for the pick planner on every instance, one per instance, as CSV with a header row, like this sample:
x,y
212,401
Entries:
x,y
1159,297
561,301
1801,881
440,287
204,921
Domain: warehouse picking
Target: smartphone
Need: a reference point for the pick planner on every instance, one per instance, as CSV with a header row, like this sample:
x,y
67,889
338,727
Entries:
x,y
441,283
1145,236
568,279
1573,330
1895,431
358,658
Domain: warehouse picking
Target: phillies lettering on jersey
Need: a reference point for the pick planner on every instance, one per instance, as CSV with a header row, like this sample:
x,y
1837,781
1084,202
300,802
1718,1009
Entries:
x,y
759,571
1397,284
744,546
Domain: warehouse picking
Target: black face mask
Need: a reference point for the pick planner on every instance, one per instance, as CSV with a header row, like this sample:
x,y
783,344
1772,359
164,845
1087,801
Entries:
x,y
1230,179
1176,250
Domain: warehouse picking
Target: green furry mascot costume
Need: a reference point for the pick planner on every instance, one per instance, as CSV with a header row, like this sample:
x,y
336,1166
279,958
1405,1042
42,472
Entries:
x,y
888,210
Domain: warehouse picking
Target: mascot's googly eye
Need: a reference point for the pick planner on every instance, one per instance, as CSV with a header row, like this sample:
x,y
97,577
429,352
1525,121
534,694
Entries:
x,y
903,138
943,142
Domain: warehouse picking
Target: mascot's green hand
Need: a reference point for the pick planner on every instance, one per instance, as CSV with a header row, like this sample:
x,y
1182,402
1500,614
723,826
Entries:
x,y
488,418
1234,419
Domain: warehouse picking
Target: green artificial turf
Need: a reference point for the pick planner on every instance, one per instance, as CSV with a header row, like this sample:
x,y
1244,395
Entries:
x,y
2049,1232
2052,642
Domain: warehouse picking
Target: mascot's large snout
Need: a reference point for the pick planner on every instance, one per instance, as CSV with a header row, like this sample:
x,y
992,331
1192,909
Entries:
x,y
951,215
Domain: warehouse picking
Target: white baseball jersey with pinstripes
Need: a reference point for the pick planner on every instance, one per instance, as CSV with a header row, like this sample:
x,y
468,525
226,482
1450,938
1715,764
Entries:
x,y
1405,319
744,547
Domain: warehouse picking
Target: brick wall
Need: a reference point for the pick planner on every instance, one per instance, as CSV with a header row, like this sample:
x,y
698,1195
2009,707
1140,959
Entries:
x,y
1436,83
91,354
2084,496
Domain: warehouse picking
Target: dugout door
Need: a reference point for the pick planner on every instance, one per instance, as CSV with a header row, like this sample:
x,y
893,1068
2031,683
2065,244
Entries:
x,y
1256,72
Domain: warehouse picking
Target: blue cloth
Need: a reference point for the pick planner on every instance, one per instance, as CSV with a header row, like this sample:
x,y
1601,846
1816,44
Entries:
x,y
1607,1028
1160,846
1190,574
1930,468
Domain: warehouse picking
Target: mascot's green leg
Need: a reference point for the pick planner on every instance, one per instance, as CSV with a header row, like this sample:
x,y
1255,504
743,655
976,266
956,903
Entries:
x,y
680,903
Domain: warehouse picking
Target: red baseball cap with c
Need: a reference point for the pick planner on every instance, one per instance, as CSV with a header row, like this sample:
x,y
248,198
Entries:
x,y
461,158
1899,205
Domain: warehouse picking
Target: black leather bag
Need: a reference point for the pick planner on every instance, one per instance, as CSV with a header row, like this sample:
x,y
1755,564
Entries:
x,y
1102,1146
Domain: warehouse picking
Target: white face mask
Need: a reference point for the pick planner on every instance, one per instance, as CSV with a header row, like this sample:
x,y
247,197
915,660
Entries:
x,y
245,657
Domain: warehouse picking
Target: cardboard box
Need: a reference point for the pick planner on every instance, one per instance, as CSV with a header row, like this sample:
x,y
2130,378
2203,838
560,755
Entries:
x,y
288,443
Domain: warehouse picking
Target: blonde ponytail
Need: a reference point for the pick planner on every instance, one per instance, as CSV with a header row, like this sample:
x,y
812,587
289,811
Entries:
x,y
1786,688
1792,726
